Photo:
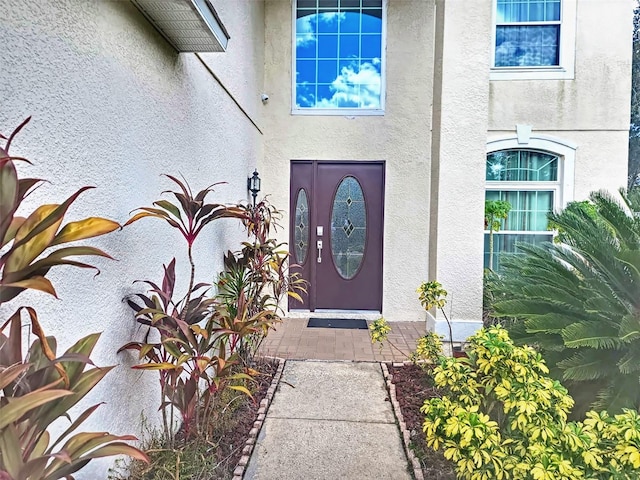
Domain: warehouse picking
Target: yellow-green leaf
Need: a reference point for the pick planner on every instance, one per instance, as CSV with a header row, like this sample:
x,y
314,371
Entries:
x,y
155,366
14,226
11,451
8,191
35,283
87,228
13,411
21,256
242,389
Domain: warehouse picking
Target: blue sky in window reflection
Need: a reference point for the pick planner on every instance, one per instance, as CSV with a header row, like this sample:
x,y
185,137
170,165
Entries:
x,y
334,69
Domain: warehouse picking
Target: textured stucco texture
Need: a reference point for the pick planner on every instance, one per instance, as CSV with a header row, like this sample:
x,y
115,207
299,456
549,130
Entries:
x,y
401,138
114,106
590,111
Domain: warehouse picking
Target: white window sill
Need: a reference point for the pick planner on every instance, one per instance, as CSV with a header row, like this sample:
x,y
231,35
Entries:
x,y
347,112
531,73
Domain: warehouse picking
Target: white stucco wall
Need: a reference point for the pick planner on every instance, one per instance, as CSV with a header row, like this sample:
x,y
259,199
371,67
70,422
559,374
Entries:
x,y
115,106
401,137
241,67
460,127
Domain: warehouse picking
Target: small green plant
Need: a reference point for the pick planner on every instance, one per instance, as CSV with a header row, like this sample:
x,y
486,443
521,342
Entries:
x,y
502,417
257,278
379,331
432,295
494,212
428,347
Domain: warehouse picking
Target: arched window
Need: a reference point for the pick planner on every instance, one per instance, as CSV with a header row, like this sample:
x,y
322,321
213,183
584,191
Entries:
x,y
535,174
530,181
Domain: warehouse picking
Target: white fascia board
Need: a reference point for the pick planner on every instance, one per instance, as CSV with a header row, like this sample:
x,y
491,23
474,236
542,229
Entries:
x,y
188,25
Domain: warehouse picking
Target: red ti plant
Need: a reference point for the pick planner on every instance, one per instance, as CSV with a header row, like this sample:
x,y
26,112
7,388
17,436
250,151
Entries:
x,y
186,353
189,216
255,280
175,353
40,388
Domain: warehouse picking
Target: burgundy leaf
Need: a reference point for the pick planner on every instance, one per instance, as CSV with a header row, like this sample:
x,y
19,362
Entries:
x,y
15,132
169,280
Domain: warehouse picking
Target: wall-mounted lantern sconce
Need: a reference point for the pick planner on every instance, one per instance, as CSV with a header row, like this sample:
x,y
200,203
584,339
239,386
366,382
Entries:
x,y
253,185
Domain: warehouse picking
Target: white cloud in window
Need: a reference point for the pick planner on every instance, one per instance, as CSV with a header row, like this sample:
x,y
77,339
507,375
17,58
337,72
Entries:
x,y
304,30
304,25
495,170
355,86
329,17
305,100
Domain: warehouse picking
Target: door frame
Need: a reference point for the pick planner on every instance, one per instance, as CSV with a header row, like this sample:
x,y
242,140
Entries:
x,y
312,253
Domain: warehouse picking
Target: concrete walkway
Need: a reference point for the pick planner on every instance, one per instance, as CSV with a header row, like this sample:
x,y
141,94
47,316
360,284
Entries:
x,y
329,420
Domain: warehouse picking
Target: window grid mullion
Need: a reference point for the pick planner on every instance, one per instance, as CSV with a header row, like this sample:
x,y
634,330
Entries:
x,y
530,200
347,93
317,33
528,24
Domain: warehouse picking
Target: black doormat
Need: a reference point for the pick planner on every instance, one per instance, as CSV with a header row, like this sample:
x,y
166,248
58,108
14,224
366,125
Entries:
x,y
350,323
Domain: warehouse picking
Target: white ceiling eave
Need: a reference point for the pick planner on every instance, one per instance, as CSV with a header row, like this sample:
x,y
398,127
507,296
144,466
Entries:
x,y
188,25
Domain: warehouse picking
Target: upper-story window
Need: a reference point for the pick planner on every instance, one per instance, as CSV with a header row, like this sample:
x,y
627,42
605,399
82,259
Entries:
x,y
534,39
339,61
527,33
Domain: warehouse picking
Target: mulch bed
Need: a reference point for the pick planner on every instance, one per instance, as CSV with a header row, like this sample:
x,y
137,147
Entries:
x,y
235,439
216,459
413,387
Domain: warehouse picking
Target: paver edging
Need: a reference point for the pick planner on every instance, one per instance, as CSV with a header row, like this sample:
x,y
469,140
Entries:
x,y
238,472
404,432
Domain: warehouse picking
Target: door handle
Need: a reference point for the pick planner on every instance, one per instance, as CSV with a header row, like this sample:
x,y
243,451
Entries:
x,y
319,245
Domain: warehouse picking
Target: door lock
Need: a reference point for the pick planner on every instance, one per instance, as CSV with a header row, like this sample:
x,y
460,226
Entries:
x,y
319,245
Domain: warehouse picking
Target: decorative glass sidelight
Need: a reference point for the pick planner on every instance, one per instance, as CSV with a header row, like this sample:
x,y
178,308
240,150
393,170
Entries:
x,y
301,232
348,227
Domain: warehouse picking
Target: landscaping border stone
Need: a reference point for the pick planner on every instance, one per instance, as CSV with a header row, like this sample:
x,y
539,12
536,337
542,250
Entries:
x,y
238,472
404,432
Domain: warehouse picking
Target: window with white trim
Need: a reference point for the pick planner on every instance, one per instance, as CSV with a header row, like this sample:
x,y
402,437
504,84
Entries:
x,y
534,39
527,33
529,180
338,56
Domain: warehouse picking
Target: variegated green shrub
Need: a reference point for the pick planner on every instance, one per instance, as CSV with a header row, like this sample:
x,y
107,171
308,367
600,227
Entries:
x,y
428,348
379,331
504,418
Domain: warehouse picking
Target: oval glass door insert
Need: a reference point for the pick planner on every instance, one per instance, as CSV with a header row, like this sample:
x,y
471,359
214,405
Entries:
x,y
348,227
301,232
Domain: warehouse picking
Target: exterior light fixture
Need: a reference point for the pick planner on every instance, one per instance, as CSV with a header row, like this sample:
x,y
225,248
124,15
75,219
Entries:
x,y
253,185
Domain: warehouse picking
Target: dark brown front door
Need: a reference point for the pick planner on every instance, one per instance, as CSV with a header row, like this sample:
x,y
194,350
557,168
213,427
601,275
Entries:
x,y
336,233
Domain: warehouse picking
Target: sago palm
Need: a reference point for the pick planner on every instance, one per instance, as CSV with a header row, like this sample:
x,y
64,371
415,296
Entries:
x,y
578,299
